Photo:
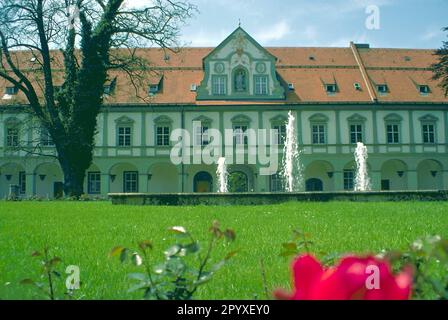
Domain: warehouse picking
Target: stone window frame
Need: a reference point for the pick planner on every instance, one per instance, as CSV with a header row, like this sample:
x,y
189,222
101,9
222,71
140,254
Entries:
x,y
89,186
45,138
136,181
429,120
276,183
390,120
162,121
258,77
124,122
349,182
241,120
279,121
319,119
214,78
207,123
12,124
356,120
11,90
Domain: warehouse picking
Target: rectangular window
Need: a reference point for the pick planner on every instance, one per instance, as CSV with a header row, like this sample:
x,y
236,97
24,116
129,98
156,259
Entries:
x,y
318,134
424,90
280,134
383,89
22,182
385,185
277,183
130,182
393,133
124,136
349,180
240,135
331,88
11,91
355,133
219,85
153,89
261,85
107,89
94,182
45,138
163,136
12,137
201,136
429,133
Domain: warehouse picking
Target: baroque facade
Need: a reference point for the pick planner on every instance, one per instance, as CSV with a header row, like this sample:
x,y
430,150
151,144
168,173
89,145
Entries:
x,y
385,98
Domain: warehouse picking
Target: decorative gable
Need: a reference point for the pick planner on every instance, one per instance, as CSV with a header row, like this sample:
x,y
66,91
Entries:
x,y
240,69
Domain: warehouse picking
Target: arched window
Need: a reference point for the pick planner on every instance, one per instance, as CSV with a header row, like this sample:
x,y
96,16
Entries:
x,y
238,182
240,80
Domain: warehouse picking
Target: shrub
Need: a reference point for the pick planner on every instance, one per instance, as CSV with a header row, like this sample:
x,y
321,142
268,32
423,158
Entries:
x,y
186,267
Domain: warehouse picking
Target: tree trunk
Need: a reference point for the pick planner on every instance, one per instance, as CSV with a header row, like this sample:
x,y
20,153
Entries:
x,y
74,173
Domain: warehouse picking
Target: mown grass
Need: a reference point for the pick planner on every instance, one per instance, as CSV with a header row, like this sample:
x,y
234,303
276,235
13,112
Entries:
x,y
84,233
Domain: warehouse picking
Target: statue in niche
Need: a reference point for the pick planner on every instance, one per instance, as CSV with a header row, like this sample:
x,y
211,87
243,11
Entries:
x,y
240,81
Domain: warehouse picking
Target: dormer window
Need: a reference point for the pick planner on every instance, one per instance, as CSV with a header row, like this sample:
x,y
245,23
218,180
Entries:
x,y
383,88
153,89
331,88
109,87
11,90
424,90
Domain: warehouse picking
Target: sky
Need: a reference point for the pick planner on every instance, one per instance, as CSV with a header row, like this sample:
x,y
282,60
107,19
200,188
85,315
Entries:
x,y
321,23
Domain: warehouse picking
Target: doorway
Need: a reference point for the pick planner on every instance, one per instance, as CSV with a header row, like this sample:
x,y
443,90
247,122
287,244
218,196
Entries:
x,y
203,182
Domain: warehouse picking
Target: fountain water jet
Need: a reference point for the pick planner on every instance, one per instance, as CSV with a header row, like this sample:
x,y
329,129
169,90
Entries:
x,y
292,168
223,175
362,179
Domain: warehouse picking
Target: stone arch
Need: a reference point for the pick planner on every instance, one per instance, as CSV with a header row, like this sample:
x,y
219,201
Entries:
x,y
322,171
119,183
203,182
49,180
394,175
163,178
430,175
246,171
11,174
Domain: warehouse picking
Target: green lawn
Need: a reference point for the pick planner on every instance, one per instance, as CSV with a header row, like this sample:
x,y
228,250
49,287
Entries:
x,y
83,234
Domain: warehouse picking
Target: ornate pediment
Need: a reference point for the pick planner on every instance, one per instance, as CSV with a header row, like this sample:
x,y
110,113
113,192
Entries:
x,y
240,69
393,117
357,118
124,120
319,117
163,120
428,118
241,119
279,119
203,119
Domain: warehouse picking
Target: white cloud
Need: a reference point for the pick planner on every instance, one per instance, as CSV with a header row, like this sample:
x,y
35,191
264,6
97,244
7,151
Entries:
x,y
273,33
432,33
203,38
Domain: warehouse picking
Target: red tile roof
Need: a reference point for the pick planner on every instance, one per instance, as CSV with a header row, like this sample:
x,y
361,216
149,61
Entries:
x,y
308,69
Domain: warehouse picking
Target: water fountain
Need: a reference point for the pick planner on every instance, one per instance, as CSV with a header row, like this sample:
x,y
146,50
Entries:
x,y
223,175
292,168
362,179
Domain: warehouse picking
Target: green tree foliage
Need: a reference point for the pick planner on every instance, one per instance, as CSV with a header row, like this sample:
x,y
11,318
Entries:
x,y
85,32
441,67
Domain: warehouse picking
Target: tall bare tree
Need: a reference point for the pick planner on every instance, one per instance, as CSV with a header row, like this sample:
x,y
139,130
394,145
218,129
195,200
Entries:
x,y
441,67
79,37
